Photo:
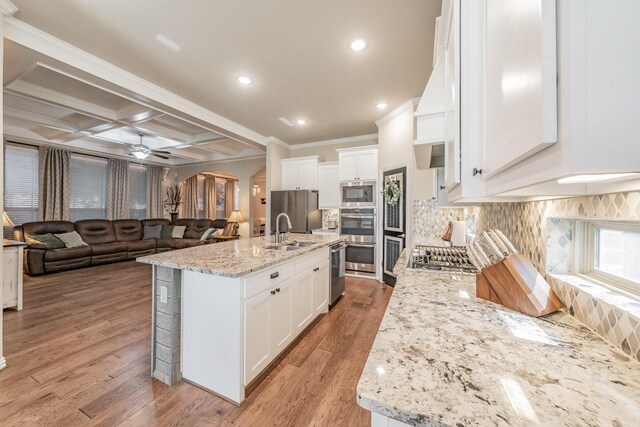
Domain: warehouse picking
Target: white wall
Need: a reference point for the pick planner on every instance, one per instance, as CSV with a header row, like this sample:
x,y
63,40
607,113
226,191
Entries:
x,y
275,152
243,169
395,148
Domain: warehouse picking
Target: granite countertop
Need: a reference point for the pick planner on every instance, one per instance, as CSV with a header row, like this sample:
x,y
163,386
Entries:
x,y
444,357
235,258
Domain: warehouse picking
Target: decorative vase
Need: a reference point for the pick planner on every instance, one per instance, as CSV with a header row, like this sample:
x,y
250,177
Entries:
x,y
174,216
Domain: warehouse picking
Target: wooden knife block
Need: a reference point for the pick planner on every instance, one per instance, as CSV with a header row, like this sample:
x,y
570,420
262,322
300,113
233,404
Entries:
x,y
515,283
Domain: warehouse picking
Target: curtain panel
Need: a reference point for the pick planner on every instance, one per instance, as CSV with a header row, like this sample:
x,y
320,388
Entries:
x,y
210,196
155,176
229,197
54,184
190,202
117,189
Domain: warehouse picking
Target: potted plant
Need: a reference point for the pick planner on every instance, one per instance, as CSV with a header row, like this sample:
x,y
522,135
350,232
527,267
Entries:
x,y
173,200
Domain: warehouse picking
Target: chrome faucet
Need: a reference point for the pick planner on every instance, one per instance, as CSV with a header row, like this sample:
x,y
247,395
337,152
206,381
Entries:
x,y
278,237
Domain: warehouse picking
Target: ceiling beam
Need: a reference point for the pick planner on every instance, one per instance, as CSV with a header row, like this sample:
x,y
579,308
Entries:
x,y
30,116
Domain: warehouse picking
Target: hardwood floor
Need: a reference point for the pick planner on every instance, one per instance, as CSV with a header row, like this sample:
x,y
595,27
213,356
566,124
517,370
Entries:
x,y
78,354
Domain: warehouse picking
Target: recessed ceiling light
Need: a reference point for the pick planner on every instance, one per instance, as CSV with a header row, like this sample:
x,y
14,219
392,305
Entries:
x,y
381,105
244,80
358,44
301,122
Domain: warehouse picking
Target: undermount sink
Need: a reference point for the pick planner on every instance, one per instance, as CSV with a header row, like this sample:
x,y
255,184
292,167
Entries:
x,y
290,246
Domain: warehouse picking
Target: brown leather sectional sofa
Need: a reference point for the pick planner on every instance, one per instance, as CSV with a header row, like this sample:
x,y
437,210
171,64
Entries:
x,y
109,241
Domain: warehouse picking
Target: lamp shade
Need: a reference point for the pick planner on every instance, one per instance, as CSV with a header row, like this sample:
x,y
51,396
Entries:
x,y
235,216
6,221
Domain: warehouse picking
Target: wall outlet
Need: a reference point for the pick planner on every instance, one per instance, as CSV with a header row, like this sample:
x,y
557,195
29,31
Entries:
x,y
163,294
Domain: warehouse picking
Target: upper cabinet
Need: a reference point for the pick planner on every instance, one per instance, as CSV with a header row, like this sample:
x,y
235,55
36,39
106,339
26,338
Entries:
x,y
536,91
328,186
358,164
299,173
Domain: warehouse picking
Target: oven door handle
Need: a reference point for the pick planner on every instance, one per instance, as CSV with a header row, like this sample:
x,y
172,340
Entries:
x,y
358,216
362,245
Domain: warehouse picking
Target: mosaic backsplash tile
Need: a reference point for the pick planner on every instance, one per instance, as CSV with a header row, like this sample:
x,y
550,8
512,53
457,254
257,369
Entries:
x,y
330,215
430,222
545,232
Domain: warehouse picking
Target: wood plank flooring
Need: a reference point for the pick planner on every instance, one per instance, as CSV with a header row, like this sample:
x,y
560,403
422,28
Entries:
x,y
78,354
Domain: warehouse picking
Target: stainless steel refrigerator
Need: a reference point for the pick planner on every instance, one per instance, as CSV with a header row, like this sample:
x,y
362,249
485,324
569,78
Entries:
x,y
302,208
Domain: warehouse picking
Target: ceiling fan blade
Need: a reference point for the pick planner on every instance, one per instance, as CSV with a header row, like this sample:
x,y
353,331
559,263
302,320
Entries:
x,y
158,155
160,152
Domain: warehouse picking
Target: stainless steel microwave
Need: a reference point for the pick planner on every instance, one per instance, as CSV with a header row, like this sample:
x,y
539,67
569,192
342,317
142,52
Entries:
x,y
358,194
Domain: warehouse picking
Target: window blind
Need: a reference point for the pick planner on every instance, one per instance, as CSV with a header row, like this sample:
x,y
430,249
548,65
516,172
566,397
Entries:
x,y
21,183
88,188
137,191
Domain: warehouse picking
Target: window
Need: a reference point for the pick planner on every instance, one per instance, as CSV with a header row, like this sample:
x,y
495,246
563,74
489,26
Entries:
x,y
201,197
88,188
236,196
137,191
610,254
21,183
221,208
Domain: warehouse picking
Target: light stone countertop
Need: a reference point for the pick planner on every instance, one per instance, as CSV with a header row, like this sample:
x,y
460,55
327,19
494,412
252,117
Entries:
x,y
235,258
444,357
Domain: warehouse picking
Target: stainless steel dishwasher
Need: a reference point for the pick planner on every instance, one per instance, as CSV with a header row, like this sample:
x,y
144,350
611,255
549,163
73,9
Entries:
x,y
337,271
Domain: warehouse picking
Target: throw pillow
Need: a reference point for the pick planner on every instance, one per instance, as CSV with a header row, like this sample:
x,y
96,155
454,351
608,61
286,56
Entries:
x,y
151,232
45,241
208,233
71,239
166,231
178,231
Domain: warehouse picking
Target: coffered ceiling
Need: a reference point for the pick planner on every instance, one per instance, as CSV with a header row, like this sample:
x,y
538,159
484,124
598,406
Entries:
x,y
295,51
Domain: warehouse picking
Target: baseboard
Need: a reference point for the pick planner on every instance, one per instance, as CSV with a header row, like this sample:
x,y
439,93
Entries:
x,y
3,363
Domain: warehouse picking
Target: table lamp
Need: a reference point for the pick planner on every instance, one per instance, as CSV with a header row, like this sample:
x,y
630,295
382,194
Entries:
x,y
236,217
6,221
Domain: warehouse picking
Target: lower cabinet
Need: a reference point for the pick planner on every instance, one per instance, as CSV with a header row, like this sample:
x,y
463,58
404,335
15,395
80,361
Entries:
x,y
287,304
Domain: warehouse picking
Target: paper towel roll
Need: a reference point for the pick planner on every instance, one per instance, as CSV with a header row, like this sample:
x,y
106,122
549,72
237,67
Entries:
x,y
458,236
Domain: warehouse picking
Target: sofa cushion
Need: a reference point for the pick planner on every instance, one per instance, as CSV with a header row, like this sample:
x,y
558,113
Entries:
x,y
189,224
96,231
219,223
198,228
166,231
155,221
108,248
43,227
45,241
208,233
141,245
151,232
178,231
63,254
71,239
127,230
184,243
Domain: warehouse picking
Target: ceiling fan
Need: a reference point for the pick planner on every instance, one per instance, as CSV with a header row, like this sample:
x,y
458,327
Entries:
x,y
141,151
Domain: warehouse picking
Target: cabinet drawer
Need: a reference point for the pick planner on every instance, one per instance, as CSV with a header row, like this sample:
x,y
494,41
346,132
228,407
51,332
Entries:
x,y
267,278
311,260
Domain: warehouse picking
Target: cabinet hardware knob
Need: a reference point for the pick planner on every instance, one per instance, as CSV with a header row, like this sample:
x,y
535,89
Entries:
x,y
442,187
277,289
273,292
275,275
477,171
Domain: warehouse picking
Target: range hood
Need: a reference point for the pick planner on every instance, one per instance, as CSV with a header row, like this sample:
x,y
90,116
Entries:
x,y
430,121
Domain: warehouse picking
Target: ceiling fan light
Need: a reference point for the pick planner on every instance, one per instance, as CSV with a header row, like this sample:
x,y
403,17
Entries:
x,y
140,155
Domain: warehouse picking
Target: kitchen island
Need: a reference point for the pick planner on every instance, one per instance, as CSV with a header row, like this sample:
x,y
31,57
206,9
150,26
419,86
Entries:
x,y
222,313
444,357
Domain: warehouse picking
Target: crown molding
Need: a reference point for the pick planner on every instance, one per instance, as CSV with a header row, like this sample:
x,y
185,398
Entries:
x,y
44,43
336,141
7,8
413,102
274,140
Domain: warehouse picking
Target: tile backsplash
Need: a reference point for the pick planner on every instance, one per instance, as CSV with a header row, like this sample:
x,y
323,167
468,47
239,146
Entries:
x,y
544,231
330,215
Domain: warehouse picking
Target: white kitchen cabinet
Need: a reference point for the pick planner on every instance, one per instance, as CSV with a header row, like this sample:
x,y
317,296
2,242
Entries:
x,y
358,164
321,287
328,186
282,331
452,145
303,296
12,274
299,173
259,348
